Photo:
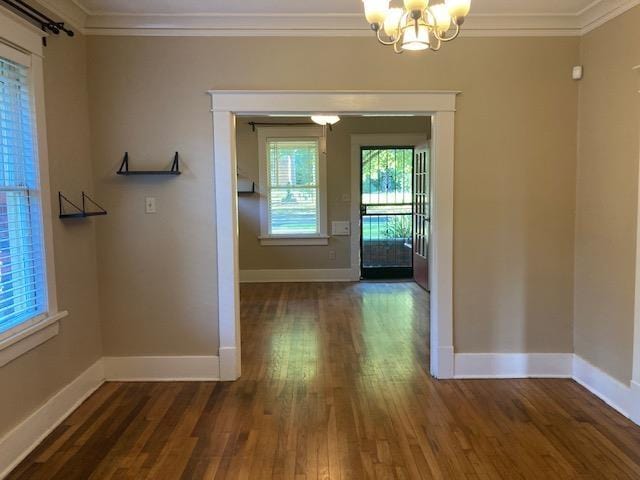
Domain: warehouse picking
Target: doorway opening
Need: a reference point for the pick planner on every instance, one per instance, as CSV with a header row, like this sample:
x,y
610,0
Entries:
x,y
439,106
386,210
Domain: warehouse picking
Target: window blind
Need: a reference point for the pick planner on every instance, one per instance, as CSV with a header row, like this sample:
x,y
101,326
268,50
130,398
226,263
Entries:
x,y
293,186
22,276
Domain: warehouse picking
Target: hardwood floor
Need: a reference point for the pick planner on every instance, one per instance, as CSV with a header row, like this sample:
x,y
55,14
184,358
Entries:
x,y
335,386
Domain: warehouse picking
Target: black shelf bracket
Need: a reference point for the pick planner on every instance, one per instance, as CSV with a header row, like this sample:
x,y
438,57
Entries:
x,y
246,187
64,203
124,168
248,192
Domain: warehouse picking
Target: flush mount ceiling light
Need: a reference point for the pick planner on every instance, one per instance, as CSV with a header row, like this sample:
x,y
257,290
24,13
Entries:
x,y
325,119
417,26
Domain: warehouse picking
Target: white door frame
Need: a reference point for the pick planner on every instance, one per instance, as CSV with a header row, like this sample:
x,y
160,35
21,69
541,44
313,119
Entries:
x,y
440,105
370,140
635,380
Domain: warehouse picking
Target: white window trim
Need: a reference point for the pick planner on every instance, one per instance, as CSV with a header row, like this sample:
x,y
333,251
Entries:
x,y
22,42
267,239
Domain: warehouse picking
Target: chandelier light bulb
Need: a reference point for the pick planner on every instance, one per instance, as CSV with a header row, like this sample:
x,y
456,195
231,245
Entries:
x,y
439,18
375,11
458,8
415,41
415,5
392,22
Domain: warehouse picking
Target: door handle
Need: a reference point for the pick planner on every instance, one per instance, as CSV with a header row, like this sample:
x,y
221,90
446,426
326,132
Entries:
x,y
363,209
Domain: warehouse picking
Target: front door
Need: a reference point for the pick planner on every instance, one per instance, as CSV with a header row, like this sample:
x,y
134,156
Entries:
x,y
421,216
386,208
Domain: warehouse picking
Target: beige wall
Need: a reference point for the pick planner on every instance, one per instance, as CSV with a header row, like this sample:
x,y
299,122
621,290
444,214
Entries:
x,y
607,195
33,378
255,257
514,180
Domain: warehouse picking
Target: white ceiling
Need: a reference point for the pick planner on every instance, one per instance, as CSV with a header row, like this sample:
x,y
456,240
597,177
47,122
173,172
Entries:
x,y
320,17
520,7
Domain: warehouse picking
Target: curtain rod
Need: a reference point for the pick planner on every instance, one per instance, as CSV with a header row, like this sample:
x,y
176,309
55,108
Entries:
x,y
286,124
46,23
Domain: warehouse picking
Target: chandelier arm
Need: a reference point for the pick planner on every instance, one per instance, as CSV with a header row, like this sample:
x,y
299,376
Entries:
x,y
439,45
397,49
447,39
386,42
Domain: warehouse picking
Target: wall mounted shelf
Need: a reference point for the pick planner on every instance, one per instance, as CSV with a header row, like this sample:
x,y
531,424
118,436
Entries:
x,y
246,186
124,168
77,211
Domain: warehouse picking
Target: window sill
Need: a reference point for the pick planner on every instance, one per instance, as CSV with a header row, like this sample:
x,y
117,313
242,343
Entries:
x,y
29,338
312,240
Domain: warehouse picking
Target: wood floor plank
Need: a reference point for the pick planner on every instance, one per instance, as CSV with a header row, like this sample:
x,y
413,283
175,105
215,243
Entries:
x,y
336,386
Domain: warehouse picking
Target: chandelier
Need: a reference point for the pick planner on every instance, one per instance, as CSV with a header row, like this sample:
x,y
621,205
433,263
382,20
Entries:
x,y
417,26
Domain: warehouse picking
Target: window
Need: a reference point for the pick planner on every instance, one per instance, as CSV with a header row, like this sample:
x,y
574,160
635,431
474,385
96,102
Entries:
x,y
22,278
292,186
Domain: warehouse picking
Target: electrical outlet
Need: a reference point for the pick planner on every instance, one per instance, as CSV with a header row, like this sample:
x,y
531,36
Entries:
x,y
332,254
150,205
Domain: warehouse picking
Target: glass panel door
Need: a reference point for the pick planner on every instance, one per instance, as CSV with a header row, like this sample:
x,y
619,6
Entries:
x,y
386,209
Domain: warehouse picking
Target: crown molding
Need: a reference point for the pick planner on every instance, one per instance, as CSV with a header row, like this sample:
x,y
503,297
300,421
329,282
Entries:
x,y
601,11
339,25
323,25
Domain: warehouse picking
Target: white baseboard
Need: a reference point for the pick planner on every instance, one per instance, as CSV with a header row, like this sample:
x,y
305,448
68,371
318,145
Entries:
x,y
613,392
445,367
229,364
297,275
623,398
513,365
162,369
635,402
27,435
20,441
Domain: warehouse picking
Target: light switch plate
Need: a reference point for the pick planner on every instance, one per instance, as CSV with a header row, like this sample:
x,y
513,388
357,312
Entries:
x,y
340,228
150,205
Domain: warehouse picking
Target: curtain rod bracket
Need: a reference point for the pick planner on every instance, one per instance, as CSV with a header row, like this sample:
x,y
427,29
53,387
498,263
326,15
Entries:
x,y
47,24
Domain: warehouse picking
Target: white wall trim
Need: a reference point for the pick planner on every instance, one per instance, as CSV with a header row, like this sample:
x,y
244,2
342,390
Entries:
x,y
29,338
324,25
15,30
513,365
601,384
226,218
370,140
600,12
299,241
635,402
440,105
623,398
297,275
22,439
229,363
285,102
162,368
28,434
635,377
